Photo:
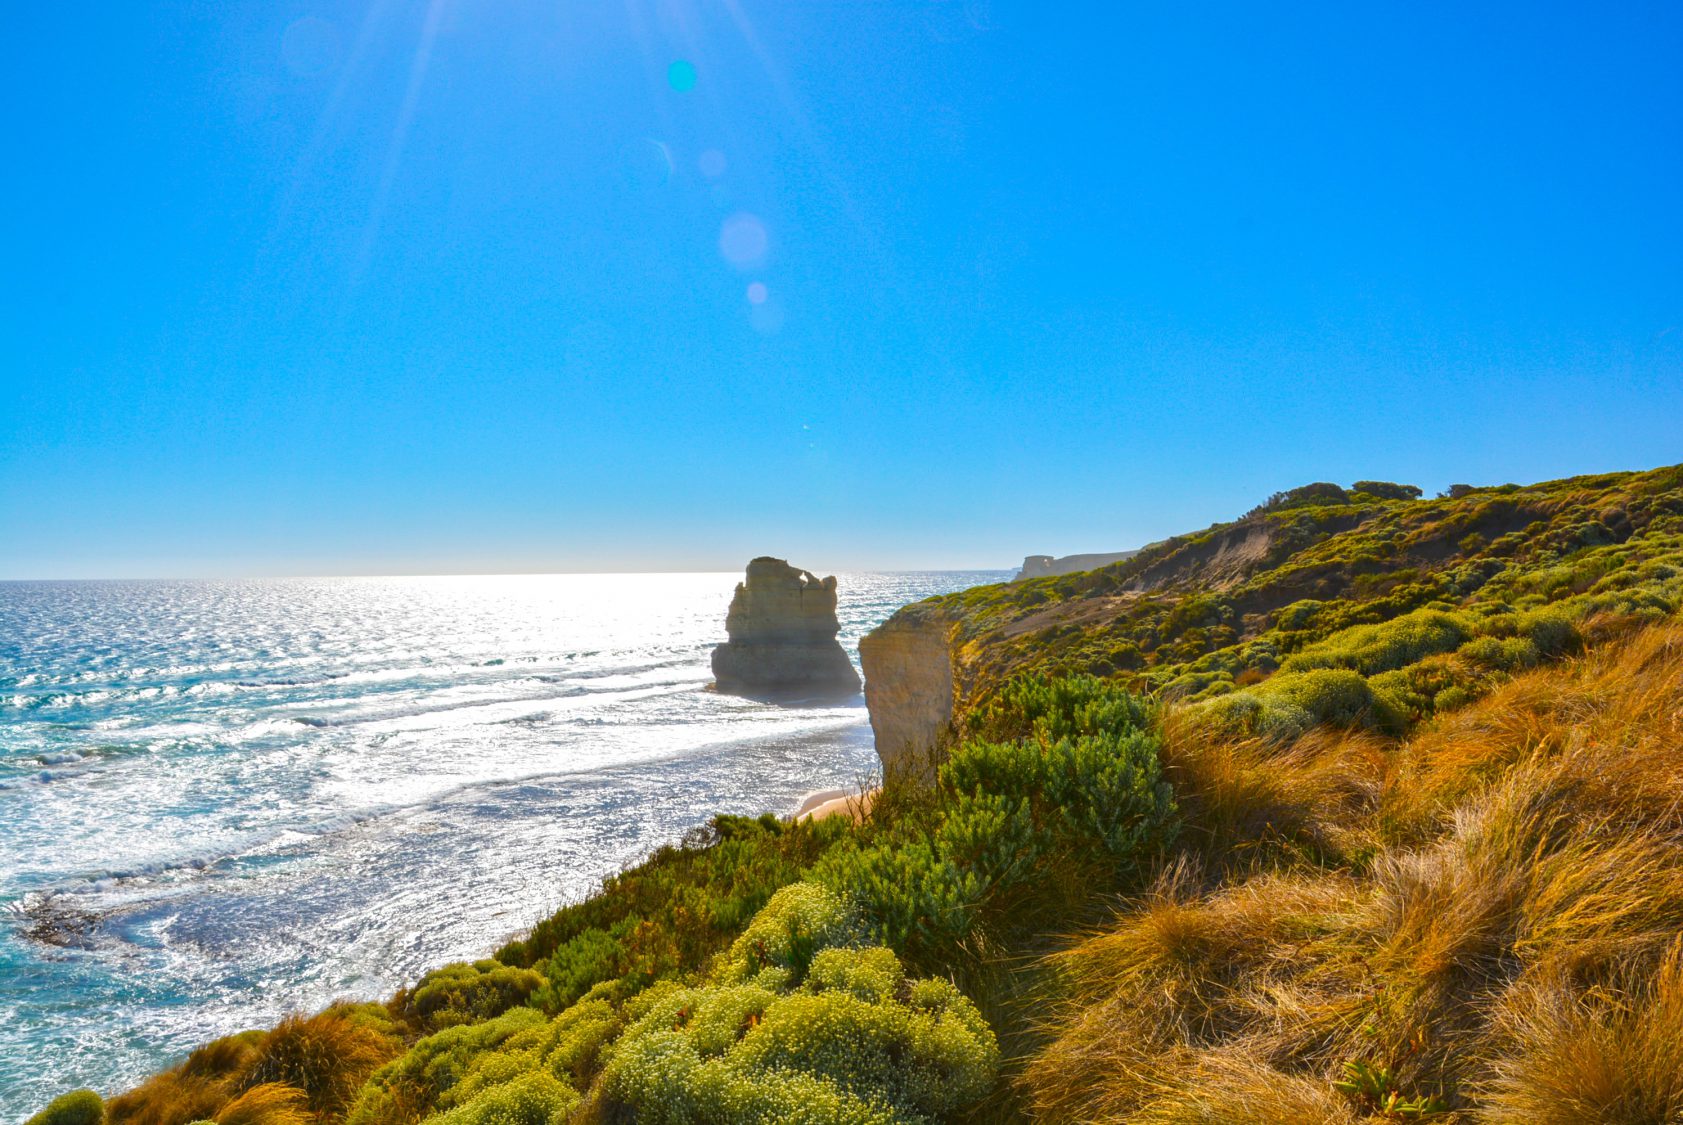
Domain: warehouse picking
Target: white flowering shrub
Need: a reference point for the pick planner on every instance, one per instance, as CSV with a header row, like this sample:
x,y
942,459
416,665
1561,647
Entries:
x,y
532,1098
800,919
854,1043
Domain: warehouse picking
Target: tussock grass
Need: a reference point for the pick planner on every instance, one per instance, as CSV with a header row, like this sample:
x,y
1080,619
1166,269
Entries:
x,y
1484,918
326,1056
1257,800
272,1103
170,1098
308,1069
1591,1056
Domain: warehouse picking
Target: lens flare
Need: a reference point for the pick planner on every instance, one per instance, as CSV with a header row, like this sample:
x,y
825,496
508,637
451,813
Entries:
x,y
743,240
646,163
757,293
681,76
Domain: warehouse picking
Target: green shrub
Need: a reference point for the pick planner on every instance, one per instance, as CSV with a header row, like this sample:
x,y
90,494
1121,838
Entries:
x,y
674,912
1305,496
1385,490
1065,795
79,1107
1370,649
462,993
799,920
535,1098
918,900
856,1042
1050,709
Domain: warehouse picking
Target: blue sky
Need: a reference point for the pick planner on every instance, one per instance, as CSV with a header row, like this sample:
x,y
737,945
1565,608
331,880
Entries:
x,y
397,286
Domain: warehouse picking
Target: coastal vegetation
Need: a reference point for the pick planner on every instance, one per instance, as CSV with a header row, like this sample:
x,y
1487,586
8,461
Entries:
x,y
1361,808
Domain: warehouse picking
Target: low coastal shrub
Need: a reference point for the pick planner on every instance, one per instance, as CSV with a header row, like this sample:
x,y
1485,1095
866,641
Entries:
x,y
1073,803
800,919
532,1098
463,993
1289,704
78,1107
854,1042
1371,649
412,1086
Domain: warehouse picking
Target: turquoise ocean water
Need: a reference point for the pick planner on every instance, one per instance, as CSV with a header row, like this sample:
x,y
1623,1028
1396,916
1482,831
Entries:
x,y
223,801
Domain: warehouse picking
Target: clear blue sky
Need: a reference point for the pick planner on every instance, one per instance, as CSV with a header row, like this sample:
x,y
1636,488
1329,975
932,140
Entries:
x,y
447,285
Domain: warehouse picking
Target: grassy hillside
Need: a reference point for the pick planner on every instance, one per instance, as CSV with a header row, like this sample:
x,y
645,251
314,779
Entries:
x,y
1360,808
1429,602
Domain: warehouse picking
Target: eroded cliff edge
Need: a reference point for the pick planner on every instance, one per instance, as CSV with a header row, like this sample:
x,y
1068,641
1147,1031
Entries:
x,y
909,683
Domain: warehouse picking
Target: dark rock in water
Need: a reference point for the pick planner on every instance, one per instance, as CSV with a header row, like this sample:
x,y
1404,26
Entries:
x,y
782,627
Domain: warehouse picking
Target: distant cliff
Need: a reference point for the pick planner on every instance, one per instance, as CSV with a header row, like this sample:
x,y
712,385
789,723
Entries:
x,y
1045,566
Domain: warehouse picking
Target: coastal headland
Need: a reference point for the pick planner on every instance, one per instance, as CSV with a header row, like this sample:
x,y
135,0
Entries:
x,y
1359,807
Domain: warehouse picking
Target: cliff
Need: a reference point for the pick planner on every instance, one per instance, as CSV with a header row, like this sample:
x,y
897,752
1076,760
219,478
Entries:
x,y
909,687
1045,566
782,627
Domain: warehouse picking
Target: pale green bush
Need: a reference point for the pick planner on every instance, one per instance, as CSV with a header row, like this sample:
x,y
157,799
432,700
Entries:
x,y
532,1098
463,993
855,1043
79,1107
1370,649
419,1080
1501,654
799,920
487,1072
1290,703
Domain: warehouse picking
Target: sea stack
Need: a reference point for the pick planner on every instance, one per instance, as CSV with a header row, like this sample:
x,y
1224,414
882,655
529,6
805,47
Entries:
x,y
782,626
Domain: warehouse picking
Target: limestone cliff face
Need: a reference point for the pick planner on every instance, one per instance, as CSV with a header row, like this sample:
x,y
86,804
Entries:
x,y
910,686
1043,566
782,627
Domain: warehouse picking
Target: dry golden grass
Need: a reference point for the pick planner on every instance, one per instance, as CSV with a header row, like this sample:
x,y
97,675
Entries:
x,y
1487,915
1248,801
311,1067
328,1056
1600,1056
1234,1088
169,1098
224,1058
269,1104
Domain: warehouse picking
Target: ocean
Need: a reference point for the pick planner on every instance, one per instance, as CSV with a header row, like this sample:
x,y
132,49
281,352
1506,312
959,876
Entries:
x,y
222,801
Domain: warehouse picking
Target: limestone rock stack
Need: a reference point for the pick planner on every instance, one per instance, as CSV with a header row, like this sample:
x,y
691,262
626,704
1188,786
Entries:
x,y
782,626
